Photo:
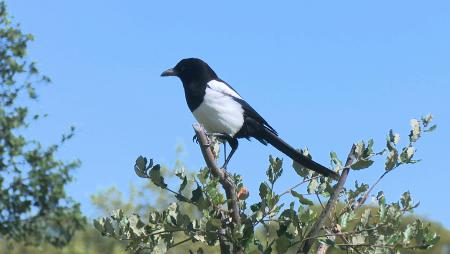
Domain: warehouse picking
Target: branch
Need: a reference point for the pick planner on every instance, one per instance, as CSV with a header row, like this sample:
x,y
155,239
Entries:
x,y
331,204
323,248
366,195
297,185
225,180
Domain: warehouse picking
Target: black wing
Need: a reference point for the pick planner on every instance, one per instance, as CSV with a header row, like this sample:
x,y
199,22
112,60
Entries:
x,y
249,112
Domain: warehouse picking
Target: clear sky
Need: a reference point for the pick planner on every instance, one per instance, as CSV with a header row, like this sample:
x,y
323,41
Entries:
x,y
323,74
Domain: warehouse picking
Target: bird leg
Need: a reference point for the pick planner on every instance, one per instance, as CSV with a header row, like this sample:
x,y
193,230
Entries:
x,y
224,150
225,138
233,142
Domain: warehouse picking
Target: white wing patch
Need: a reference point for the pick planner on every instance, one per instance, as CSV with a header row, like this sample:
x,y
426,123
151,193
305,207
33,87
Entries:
x,y
223,88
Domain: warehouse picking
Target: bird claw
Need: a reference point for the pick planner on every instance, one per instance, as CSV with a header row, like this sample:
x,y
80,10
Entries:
x,y
197,140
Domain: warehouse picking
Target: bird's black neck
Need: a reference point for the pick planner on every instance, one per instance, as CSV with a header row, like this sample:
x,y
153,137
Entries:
x,y
195,83
194,93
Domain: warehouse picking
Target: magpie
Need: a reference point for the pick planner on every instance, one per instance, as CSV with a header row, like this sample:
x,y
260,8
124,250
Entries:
x,y
224,113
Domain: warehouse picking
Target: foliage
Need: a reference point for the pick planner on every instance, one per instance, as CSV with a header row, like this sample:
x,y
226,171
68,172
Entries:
x,y
87,240
353,227
33,204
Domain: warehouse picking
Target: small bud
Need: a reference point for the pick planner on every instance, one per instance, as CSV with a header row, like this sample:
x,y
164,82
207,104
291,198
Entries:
x,y
243,193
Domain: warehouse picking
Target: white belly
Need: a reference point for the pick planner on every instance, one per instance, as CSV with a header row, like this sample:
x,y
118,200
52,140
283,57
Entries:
x,y
219,113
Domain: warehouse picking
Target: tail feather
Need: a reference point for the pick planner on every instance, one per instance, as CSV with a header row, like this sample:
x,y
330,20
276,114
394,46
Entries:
x,y
295,155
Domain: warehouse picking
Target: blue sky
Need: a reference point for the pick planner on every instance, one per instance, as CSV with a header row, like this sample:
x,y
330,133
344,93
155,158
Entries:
x,y
323,74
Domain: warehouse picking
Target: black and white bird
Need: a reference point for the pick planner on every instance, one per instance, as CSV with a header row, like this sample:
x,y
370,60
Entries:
x,y
223,112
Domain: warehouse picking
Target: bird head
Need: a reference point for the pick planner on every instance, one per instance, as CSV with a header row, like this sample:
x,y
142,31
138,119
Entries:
x,y
191,70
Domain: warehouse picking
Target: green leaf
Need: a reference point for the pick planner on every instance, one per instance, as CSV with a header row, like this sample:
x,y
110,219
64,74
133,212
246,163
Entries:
x,y
141,168
426,120
362,164
109,228
99,225
365,217
313,186
203,175
380,197
197,194
394,137
275,169
299,169
359,149
173,214
432,128
307,215
263,191
391,160
408,233
369,149
358,239
302,199
335,160
407,154
343,219
283,244
414,135
183,185
136,225
161,246
406,201
117,214
155,176
211,233
184,182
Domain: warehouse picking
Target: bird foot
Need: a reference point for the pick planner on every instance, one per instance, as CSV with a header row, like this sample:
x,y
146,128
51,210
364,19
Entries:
x,y
196,140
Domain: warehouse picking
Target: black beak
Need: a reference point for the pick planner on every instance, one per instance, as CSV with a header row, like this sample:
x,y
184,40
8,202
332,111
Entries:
x,y
169,72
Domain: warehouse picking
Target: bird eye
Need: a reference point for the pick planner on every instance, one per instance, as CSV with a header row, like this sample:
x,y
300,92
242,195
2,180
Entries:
x,y
183,68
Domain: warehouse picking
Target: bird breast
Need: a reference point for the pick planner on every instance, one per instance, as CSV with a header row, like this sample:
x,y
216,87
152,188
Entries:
x,y
219,113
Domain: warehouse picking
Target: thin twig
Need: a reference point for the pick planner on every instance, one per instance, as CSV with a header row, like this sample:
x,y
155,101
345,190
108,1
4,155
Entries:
x,y
320,201
179,196
298,185
380,246
366,195
184,241
345,233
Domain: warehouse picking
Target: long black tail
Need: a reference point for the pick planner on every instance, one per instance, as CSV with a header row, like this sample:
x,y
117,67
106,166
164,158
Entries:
x,y
285,148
